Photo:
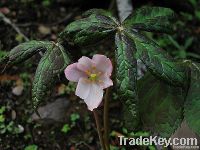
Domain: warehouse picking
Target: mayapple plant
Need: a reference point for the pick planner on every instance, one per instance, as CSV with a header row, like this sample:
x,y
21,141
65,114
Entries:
x,y
168,93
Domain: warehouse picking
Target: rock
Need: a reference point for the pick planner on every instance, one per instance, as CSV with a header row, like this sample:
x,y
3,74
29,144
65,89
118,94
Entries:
x,y
44,30
53,37
13,114
185,132
20,128
55,111
17,90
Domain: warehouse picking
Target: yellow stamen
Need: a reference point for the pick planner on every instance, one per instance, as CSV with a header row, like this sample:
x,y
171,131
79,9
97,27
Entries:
x,y
93,76
120,28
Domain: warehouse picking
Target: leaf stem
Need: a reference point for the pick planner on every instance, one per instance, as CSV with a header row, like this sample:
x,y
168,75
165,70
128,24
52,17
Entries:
x,y
105,119
96,117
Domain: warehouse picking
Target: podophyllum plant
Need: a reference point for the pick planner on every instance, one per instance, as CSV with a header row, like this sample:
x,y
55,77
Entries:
x,y
168,93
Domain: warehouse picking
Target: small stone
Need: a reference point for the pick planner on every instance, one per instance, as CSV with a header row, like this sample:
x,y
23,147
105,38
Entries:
x,y
63,9
53,111
20,128
13,114
44,30
53,37
17,90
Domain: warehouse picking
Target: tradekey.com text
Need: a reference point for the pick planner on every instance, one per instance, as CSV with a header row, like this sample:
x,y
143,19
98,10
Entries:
x,y
187,143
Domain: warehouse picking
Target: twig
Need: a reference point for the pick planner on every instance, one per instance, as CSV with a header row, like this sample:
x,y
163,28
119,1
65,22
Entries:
x,y
8,21
28,24
96,117
105,119
15,27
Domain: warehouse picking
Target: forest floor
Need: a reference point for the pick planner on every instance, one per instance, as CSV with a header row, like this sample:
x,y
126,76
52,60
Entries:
x,y
66,123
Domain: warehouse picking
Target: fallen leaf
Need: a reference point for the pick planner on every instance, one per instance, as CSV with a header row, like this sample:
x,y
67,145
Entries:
x,y
6,77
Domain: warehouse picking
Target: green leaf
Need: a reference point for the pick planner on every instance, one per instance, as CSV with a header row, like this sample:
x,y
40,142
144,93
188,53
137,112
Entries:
x,y
161,105
3,54
2,109
25,50
126,72
74,117
97,11
114,147
153,19
188,42
31,147
54,61
141,133
66,128
192,104
2,118
158,61
151,147
2,131
89,30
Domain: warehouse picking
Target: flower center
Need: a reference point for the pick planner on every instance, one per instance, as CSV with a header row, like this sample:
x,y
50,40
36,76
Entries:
x,y
120,28
93,77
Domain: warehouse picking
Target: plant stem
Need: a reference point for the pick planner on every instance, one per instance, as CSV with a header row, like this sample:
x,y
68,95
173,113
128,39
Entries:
x,y
105,119
96,117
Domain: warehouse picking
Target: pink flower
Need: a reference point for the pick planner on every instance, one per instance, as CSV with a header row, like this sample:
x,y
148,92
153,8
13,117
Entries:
x,y
92,75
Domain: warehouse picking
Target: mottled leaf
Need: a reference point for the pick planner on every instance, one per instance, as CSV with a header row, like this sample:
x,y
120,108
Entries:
x,y
126,72
161,105
156,19
158,61
54,61
97,12
192,104
25,50
89,30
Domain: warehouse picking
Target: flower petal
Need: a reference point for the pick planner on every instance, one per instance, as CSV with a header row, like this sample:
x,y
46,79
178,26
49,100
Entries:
x,y
72,73
105,81
83,88
103,63
95,97
85,64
